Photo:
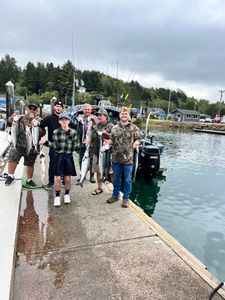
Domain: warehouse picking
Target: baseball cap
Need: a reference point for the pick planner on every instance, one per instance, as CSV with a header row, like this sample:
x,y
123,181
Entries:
x,y
58,102
64,115
29,105
103,112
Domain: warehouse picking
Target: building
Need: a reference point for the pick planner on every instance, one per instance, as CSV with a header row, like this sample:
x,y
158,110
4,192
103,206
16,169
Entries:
x,y
159,113
185,115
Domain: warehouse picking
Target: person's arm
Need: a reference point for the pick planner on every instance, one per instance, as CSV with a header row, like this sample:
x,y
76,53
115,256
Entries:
x,y
10,118
94,120
44,122
105,134
110,140
42,125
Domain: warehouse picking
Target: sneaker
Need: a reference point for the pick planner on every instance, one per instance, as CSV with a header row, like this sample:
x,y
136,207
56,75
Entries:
x,y
112,199
67,199
9,180
125,203
49,186
57,201
31,183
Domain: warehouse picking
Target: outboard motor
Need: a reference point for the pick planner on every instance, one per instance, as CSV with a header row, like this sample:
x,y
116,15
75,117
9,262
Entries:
x,y
149,158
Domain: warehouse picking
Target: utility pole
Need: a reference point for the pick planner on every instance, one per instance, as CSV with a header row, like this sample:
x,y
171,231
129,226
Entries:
x,y
168,110
117,96
9,99
221,97
74,82
195,105
74,90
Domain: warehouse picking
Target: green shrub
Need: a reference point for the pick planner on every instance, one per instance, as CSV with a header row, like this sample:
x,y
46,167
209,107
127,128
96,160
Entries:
x,y
138,122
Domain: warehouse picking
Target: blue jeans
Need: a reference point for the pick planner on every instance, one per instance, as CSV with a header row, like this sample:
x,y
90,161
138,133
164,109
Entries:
x,y
118,170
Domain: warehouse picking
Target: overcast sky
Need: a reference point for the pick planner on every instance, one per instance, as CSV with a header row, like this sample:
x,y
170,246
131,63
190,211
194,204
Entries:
x,y
164,43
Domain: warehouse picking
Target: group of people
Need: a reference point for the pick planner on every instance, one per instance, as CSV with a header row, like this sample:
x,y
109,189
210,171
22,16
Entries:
x,y
65,137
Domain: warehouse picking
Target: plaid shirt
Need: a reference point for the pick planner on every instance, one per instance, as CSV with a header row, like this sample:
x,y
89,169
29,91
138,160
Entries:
x,y
63,141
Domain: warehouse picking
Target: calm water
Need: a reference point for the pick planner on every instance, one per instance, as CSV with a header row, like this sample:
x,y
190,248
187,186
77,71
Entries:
x,y
189,202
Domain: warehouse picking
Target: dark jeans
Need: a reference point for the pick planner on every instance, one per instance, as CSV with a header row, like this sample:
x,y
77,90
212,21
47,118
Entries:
x,y
51,166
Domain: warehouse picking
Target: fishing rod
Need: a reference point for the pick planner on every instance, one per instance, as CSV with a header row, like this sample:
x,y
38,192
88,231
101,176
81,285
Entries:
x,y
146,125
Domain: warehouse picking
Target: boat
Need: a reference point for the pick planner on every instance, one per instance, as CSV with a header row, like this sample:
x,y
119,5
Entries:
x,y
149,155
197,129
113,111
148,165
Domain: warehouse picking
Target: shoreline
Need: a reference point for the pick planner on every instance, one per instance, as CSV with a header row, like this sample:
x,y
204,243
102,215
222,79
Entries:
x,y
185,125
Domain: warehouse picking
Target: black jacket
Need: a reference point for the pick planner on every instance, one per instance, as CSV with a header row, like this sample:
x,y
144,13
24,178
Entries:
x,y
52,122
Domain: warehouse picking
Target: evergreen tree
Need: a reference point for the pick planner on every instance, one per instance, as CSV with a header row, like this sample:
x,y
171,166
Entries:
x,y
8,71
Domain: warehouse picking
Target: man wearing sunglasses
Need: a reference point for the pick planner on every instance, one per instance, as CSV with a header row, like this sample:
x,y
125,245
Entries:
x,y
21,147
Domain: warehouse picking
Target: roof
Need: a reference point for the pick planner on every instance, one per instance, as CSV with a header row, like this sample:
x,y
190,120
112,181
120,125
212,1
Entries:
x,y
155,109
185,112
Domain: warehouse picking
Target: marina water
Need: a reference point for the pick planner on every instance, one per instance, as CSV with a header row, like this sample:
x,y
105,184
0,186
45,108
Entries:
x,y
189,200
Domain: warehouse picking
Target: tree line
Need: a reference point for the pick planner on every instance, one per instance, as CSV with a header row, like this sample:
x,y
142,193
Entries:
x,y
40,82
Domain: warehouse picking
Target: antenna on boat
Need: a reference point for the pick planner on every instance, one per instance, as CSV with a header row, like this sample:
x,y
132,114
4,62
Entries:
x,y
146,125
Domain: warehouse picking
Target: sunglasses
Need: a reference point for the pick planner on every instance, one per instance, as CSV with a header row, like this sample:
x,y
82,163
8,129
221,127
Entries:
x,y
32,108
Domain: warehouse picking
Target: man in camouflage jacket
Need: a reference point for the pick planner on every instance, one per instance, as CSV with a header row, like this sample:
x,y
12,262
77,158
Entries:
x,y
101,129
124,137
22,148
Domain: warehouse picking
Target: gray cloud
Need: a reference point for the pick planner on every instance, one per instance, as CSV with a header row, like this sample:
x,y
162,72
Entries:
x,y
179,43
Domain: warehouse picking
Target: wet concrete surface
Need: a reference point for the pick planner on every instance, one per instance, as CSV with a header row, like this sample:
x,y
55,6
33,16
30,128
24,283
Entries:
x,y
43,227
92,250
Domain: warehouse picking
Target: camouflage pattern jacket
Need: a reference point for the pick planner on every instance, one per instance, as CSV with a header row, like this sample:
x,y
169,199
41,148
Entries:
x,y
93,136
123,137
21,138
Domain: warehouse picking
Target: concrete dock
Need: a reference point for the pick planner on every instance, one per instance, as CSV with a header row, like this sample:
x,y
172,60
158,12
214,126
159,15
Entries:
x,y
92,250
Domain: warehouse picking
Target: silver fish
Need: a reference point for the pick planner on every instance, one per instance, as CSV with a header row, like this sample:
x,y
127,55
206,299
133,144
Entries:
x,y
101,156
35,138
85,165
135,165
14,130
28,139
104,162
4,152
